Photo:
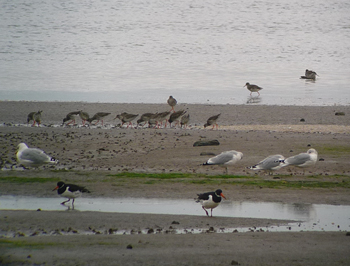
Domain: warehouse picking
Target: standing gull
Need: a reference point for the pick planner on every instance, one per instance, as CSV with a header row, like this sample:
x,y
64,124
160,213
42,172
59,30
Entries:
x,y
212,121
253,88
98,116
32,157
172,102
225,158
304,159
69,191
271,163
210,200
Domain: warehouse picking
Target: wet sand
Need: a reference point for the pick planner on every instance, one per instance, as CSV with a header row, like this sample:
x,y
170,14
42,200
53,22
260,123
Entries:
x,y
90,156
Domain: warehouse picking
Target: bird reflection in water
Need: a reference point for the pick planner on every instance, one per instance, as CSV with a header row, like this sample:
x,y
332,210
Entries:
x,y
254,99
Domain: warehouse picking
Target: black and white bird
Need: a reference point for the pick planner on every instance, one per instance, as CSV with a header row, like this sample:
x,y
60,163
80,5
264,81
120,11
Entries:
x,y
69,191
210,200
32,157
309,74
270,163
253,88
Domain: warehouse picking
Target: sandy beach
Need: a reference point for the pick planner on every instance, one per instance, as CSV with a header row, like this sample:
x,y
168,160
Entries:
x,y
93,155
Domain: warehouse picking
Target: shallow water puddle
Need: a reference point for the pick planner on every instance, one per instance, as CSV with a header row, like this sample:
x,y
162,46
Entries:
x,y
308,217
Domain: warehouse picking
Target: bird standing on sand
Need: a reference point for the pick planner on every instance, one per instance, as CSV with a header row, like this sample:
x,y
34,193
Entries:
x,y
225,158
69,191
144,118
172,102
84,116
163,116
175,117
212,121
71,116
126,118
210,200
32,157
302,160
270,163
184,120
253,88
35,117
98,116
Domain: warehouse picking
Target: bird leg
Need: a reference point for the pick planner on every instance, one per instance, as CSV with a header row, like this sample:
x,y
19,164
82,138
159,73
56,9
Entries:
x,y
206,211
65,201
211,213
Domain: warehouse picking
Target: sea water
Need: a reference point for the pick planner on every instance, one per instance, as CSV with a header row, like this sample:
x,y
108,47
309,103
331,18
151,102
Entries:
x,y
199,51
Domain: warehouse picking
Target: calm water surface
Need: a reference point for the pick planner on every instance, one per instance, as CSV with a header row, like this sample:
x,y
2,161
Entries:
x,y
198,51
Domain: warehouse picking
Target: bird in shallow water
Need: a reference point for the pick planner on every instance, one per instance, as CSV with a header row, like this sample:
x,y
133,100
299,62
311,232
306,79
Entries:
x,y
69,191
71,117
172,102
98,116
212,121
270,163
32,157
302,160
225,158
253,88
210,200
35,117
309,74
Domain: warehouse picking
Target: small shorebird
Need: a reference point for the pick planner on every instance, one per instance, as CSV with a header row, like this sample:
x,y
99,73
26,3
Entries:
x,y
253,88
175,117
225,158
32,157
144,118
126,118
270,163
35,117
71,117
309,74
69,191
98,116
212,121
172,102
184,120
210,200
163,116
84,116
304,159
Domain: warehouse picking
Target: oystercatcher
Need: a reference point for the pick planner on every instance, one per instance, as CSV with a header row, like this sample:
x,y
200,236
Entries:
x,y
210,200
32,157
253,88
69,191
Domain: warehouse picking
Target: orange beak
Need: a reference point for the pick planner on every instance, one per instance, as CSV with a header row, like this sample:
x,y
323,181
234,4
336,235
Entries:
x,y
222,195
55,188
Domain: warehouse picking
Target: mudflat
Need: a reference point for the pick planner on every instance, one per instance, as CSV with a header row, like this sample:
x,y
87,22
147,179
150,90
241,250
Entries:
x,y
115,161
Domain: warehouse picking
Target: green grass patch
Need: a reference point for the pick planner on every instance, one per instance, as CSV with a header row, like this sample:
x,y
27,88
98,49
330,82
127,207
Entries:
x,y
334,150
15,179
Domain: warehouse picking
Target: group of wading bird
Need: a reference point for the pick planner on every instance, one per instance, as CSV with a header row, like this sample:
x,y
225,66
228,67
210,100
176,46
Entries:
x,y
153,120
